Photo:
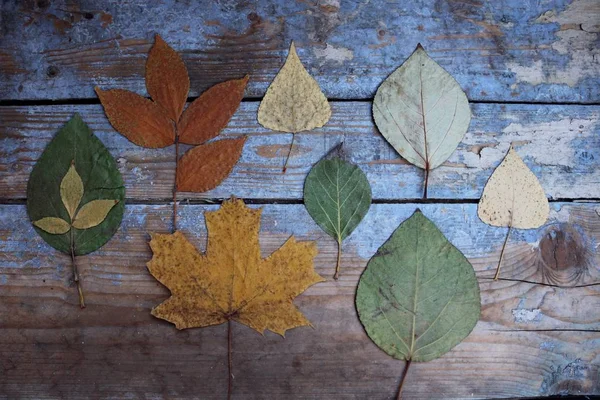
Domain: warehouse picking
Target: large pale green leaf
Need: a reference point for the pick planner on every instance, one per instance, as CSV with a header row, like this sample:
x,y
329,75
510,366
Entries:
x,y
337,196
421,111
418,297
75,145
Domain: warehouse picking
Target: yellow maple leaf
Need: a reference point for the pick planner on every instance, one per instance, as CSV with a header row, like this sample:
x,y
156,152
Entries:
x,y
231,281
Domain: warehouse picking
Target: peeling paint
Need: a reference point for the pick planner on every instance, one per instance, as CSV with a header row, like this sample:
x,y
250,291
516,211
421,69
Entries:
x,y
524,315
577,39
334,54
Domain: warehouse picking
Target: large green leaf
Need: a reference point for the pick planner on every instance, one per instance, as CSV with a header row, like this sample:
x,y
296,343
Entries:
x,y
75,143
337,196
418,297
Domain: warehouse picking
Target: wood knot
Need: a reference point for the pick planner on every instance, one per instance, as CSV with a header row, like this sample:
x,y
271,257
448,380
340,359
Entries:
x,y
563,256
52,71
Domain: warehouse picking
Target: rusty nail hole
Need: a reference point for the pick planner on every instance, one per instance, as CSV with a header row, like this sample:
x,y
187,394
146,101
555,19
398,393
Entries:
x,y
381,32
88,15
52,71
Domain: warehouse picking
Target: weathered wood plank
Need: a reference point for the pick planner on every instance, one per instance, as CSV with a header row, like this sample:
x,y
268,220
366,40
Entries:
x,y
560,143
512,50
116,349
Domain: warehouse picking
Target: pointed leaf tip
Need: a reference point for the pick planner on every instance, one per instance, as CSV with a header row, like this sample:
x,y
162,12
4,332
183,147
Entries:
x,y
422,111
418,280
294,101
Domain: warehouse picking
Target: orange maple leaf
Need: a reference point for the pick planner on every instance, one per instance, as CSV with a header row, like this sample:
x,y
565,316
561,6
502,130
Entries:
x,y
231,281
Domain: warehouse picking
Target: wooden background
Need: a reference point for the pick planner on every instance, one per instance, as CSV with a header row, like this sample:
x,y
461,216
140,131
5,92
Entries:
x,y
531,69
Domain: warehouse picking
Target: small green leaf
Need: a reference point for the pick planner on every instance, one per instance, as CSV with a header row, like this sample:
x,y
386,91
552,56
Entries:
x,y
75,150
418,297
55,226
71,190
337,196
93,213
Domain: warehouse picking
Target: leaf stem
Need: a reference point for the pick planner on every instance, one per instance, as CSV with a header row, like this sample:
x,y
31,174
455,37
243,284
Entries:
x,y
175,184
75,272
339,259
502,253
426,181
406,367
289,153
229,360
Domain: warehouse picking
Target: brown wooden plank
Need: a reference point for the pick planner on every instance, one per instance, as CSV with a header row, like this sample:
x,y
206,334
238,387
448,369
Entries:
x,y
498,51
560,143
116,349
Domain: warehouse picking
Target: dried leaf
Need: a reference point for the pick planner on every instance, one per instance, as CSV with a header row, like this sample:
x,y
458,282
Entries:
x,y
418,296
53,188
294,101
86,172
337,196
204,167
167,79
421,111
231,281
71,191
93,213
140,120
206,117
53,225
513,196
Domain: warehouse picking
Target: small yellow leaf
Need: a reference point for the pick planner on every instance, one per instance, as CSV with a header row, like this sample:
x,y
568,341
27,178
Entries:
x,y
55,226
71,190
294,101
93,213
513,196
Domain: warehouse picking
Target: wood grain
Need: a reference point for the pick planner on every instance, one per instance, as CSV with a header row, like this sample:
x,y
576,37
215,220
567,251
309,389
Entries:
x,y
498,51
561,144
115,349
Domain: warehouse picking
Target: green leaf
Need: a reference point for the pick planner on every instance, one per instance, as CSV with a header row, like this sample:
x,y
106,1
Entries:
x,y
337,196
75,143
418,297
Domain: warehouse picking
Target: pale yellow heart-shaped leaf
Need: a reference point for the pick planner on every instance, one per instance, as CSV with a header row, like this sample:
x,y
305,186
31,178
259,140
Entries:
x,y
55,226
422,111
71,190
294,101
513,196
93,213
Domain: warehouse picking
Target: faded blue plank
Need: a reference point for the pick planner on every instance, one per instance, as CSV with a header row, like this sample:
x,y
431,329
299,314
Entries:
x,y
516,50
43,329
561,144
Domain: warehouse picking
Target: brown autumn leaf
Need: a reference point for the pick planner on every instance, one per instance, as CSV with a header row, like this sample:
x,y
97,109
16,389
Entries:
x,y
231,281
167,79
140,120
206,117
204,167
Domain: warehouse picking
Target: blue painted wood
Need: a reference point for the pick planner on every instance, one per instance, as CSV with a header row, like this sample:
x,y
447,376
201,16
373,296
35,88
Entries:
x,y
561,144
115,348
515,50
